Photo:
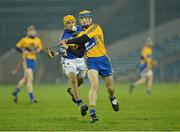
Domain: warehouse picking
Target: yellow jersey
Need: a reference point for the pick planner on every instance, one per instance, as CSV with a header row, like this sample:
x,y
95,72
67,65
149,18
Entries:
x,y
30,43
146,55
95,47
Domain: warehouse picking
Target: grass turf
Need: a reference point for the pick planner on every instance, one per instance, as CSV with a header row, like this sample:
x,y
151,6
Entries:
x,y
55,110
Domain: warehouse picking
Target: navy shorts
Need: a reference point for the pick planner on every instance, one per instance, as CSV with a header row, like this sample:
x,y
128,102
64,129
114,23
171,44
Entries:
x,y
31,64
143,67
101,64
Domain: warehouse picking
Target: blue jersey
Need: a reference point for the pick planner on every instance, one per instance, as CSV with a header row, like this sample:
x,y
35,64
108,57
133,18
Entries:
x,y
68,34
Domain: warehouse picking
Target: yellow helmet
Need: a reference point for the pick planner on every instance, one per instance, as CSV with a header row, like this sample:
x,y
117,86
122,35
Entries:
x,y
68,18
31,27
85,13
31,31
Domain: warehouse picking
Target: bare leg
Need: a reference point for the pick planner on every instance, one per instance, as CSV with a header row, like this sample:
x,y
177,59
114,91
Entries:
x,y
80,81
149,84
18,88
109,85
29,84
93,78
140,81
74,84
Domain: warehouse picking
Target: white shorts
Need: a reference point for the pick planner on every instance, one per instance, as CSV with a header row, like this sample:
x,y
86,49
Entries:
x,y
146,73
77,66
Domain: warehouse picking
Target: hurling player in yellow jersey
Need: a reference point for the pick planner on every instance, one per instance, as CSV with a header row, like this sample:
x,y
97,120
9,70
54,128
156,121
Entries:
x,y
92,40
146,65
28,46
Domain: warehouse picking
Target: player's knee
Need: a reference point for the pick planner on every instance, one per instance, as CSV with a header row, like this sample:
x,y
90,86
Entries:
x,y
72,77
31,78
73,81
109,82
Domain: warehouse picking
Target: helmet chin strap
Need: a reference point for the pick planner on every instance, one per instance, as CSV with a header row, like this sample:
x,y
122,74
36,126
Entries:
x,y
31,36
85,26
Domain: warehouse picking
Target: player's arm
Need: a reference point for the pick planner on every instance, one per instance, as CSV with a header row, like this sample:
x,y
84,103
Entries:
x,y
79,40
19,46
61,51
39,47
79,52
90,33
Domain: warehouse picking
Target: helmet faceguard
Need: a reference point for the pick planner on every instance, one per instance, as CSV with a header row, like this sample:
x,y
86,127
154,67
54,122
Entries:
x,y
85,14
149,42
31,31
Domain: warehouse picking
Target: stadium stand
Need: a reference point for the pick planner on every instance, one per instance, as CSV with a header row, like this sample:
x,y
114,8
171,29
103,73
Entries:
x,y
122,20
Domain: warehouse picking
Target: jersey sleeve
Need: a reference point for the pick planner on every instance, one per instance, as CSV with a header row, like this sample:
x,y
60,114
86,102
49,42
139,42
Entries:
x,y
40,45
64,36
20,43
93,31
147,53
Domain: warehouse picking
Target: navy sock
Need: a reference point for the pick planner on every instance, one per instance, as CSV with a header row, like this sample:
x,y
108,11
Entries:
x,y
79,102
31,96
92,111
17,90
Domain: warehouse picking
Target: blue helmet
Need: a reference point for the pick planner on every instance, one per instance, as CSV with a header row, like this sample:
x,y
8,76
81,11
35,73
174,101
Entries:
x,y
85,13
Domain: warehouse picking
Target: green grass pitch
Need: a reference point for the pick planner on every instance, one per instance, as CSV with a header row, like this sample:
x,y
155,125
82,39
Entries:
x,y
55,110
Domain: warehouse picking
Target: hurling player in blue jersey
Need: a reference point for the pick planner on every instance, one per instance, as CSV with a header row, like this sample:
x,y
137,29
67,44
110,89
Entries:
x,y
73,67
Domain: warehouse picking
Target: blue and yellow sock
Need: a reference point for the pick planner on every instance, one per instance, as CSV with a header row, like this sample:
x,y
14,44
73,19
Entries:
x,y
31,96
92,111
79,102
17,90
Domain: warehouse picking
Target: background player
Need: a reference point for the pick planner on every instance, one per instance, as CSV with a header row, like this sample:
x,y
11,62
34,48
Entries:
x,y
28,46
97,61
146,65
